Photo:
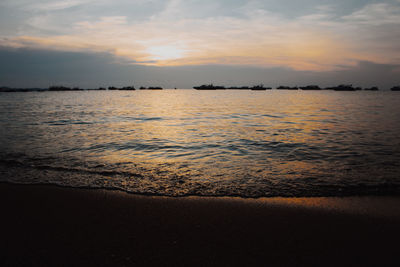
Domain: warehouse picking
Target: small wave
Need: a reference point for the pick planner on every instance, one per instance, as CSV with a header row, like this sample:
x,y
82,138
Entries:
x,y
272,116
142,118
67,122
170,180
15,163
217,143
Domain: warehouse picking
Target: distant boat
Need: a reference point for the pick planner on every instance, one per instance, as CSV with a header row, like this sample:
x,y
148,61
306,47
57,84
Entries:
x,y
310,87
396,88
59,88
209,87
8,89
287,88
151,88
128,88
63,88
372,89
344,87
260,88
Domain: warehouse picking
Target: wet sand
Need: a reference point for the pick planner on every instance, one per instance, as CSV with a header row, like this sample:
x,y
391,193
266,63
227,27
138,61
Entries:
x,y
53,226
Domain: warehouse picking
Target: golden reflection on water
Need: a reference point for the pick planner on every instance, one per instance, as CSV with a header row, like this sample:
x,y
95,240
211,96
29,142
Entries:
x,y
220,131
201,125
226,142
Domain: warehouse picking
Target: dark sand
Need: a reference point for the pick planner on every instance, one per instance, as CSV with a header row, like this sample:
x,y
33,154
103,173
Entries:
x,y
53,226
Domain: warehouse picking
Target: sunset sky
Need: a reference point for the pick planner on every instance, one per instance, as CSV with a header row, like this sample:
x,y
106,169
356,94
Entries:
x,y
183,43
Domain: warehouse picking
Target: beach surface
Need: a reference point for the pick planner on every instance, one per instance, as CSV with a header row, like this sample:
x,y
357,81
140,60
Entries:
x,y
44,225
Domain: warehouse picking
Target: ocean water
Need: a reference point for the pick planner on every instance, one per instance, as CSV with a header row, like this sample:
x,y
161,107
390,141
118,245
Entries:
x,y
205,143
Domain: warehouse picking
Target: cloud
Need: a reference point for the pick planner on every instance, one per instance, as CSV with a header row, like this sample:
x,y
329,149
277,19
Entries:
x,y
214,32
42,68
59,5
45,5
375,15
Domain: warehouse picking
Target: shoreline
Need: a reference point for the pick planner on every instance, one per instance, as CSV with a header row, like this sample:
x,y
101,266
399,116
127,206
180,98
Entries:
x,y
365,205
48,225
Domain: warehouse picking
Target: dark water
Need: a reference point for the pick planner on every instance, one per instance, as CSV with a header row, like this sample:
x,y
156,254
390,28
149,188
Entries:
x,y
188,142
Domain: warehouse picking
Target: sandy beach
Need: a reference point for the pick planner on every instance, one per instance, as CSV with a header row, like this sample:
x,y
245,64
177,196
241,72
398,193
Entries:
x,y
53,226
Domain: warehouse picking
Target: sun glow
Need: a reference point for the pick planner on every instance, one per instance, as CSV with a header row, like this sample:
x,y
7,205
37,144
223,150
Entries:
x,y
165,52
315,42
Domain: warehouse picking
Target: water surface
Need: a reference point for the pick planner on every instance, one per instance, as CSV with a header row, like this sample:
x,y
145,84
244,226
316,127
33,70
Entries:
x,y
188,142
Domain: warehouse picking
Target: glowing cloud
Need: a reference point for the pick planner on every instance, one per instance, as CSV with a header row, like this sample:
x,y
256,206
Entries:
x,y
164,52
180,34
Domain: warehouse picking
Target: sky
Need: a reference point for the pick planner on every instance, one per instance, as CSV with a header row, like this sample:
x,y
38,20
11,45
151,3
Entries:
x,y
181,43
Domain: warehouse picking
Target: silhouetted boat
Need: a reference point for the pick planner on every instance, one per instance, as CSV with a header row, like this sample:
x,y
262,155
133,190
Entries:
x,y
63,88
59,88
260,88
209,87
310,87
128,88
344,87
396,88
151,88
287,88
17,90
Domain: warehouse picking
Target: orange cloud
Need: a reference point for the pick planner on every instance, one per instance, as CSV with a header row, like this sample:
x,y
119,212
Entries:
x,y
311,42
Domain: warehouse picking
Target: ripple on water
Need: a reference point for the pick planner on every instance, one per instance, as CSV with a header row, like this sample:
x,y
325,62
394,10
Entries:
x,y
184,142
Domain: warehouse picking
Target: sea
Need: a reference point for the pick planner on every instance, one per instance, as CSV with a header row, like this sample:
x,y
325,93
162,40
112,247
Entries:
x,y
184,142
